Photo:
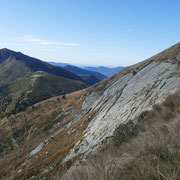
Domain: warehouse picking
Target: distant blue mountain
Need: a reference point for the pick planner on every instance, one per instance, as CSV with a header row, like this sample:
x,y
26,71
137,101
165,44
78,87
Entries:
x,y
104,70
80,69
89,77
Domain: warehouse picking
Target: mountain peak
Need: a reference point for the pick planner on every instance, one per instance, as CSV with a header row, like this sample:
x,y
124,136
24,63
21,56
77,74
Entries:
x,y
6,53
5,50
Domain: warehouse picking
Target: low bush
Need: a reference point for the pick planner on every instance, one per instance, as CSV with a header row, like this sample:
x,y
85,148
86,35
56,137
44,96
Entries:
x,y
124,132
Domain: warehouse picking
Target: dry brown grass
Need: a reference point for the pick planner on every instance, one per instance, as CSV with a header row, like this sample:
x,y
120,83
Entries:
x,y
153,154
36,117
169,53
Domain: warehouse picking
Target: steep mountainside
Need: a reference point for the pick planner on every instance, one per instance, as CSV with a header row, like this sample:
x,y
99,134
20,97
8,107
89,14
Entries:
x,y
14,65
127,94
57,134
104,70
19,94
25,80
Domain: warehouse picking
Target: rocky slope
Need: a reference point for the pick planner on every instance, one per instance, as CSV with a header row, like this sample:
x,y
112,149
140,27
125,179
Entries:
x,y
50,136
126,95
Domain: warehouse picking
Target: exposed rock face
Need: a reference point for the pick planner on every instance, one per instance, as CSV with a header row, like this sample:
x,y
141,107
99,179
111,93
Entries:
x,y
61,129
126,97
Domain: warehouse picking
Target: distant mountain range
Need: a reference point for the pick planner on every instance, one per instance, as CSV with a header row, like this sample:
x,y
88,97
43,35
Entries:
x,y
103,70
90,77
25,80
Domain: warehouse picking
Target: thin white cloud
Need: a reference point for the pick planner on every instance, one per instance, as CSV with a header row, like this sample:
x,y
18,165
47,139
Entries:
x,y
37,40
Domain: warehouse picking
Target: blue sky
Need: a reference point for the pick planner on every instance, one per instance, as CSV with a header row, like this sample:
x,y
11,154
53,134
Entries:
x,y
98,32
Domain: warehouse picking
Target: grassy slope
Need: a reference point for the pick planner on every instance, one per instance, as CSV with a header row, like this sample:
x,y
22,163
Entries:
x,y
147,149
23,132
19,94
26,130
11,69
19,87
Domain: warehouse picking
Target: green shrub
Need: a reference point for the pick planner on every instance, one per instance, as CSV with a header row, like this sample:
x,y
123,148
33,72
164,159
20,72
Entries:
x,y
124,132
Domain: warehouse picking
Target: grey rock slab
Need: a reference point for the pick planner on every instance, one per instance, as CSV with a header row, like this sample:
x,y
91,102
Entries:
x,y
124,99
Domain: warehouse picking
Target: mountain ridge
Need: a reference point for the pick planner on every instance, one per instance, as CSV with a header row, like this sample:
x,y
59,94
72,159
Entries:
x,y
69,129
103,70
34,64
82,71
22,72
